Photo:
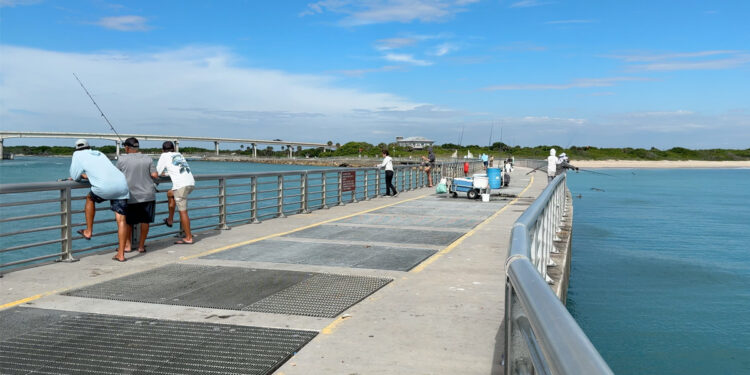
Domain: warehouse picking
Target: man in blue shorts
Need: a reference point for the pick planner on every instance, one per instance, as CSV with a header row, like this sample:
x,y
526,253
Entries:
x,y
140,172
107,183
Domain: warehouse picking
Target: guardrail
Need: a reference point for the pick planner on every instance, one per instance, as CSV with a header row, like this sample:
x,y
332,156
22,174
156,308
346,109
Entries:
x,y
541,337
38,220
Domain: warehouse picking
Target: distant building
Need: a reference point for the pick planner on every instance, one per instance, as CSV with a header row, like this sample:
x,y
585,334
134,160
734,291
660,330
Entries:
x,y
416,143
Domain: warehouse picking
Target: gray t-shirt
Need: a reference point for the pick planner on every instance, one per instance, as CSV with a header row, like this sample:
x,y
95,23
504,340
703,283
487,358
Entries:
x,y
137,169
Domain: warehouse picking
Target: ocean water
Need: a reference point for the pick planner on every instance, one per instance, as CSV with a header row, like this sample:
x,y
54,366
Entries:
x,y
660,277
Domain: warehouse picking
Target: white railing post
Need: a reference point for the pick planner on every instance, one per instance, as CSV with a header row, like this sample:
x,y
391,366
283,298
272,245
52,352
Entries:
x,y
66,220
304,180
324,189
222,204
254,200
280,199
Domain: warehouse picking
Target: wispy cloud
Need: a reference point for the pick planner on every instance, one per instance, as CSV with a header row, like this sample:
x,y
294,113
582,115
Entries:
x,y
14,3
444,49
367,12
124,23
406,58
192,91
529,3
568,22
395,43
578,83
700,60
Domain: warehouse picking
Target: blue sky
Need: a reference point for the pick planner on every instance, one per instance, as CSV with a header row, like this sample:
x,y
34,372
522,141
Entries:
x,y
602,73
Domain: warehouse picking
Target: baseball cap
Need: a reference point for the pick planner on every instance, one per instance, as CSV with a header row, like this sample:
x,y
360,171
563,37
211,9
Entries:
x,y
81,144
131,142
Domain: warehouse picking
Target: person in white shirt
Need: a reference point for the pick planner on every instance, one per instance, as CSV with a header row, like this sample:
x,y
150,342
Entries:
x,y
388,164
175,165
552,162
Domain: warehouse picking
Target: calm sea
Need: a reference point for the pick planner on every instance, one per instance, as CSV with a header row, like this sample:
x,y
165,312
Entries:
x,y
660,278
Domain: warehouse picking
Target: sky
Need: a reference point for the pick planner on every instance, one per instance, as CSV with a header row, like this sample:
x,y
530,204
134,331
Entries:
x,y
602,73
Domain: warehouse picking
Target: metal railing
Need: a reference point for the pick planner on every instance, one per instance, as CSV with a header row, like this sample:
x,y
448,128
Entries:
x,y
38,221
541,337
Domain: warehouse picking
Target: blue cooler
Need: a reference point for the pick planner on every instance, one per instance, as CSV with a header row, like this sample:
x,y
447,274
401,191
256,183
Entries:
x,y
463,184
495,178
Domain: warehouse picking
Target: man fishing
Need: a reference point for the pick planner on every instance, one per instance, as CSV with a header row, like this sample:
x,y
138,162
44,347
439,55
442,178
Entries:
x,y
107,183
140,173
174,165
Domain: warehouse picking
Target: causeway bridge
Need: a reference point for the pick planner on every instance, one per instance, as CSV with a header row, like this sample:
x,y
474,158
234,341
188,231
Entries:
x,y
148,137
323,278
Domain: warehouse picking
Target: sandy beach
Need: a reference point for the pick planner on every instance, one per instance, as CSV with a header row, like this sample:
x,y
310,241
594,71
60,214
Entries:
x,y
659,164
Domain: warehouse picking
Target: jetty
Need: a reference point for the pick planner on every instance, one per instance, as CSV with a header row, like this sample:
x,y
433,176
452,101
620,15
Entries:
x,y
354,283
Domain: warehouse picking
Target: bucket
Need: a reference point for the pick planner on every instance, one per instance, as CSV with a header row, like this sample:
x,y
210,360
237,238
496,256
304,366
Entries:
x,y
485,197
494,175
480,181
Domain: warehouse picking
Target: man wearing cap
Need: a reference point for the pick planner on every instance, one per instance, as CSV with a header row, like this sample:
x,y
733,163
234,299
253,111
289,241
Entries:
x,y
175,165
107,183
140,173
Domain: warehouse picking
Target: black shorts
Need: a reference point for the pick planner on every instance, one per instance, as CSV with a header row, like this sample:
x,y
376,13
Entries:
x,y
141,212
119,206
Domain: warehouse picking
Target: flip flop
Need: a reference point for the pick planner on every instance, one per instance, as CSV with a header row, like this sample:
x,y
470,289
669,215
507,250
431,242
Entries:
x,y
142,251
123,260
166,222
80,231
183,242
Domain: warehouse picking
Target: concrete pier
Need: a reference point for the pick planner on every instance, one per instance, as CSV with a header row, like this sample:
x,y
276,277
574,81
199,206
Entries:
x,y
413,284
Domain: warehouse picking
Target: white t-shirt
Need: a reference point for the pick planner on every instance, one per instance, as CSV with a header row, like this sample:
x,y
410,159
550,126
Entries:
x,y
387,163
177,168
552,163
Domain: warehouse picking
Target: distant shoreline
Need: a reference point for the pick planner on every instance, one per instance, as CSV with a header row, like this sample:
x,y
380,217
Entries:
x,y
660,164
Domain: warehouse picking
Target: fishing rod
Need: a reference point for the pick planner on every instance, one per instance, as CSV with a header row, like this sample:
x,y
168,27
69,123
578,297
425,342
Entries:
x,y
97,107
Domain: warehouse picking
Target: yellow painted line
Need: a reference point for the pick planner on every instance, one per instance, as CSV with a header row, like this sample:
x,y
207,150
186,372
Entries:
x,y
227,247
468,234
329,329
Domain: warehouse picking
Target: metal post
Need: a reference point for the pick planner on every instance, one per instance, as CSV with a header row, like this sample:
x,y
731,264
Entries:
x,y
377,183
280,201
216,147
1,148
176,146
324,189
304,181
291,151
66,220
222,204
367,192
254,198
354,192
340,193
117,149
255,151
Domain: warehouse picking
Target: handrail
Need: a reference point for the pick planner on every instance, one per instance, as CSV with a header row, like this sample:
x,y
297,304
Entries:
x,y
541,337
30,211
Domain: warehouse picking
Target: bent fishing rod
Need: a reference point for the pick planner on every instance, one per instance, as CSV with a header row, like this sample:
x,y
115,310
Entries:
x,y
97,107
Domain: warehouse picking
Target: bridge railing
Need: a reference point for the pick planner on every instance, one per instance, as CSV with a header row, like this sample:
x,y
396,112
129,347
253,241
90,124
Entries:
x,y
541,337
39,221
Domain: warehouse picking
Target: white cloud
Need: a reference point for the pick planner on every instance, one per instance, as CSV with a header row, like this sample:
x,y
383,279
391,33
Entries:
x,y
15,3
406,58
579,83
529,3
190,91
124,23
700,60
367,12
444,49
395,43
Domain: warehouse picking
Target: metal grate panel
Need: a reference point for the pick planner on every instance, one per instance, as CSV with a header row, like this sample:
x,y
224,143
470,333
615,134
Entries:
x,y
107,344
233,288
322,295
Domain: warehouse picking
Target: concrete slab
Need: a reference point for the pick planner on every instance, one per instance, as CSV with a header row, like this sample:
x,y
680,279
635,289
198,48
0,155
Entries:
x,y
454,222
328,254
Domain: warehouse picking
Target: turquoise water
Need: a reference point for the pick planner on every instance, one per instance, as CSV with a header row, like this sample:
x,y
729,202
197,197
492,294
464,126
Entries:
x,y
660,278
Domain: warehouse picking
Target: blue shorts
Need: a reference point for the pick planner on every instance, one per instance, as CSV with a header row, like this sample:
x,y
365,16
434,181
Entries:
x,y
142,212
119,206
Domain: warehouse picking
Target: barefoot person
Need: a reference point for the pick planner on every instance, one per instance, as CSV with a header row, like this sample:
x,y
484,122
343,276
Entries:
x,y
175,165
429,165
107,183
140,173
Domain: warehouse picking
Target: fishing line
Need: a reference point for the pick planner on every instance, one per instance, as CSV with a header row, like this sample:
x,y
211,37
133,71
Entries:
x,y
97,107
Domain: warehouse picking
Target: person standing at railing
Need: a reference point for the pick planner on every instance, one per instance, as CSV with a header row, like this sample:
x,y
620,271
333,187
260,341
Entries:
x,y
107,183
552,162
429,161
174,164
388,165
140,173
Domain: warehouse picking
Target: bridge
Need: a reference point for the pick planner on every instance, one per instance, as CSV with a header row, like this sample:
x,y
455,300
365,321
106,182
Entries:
x,y
148,137
327,281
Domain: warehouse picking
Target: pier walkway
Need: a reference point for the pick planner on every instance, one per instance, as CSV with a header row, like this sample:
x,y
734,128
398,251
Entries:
x,y
406,285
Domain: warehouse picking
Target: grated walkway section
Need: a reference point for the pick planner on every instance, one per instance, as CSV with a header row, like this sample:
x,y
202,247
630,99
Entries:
x,y
107,344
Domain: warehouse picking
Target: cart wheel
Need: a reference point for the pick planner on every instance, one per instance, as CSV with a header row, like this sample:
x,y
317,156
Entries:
x,y
455,195
472,194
